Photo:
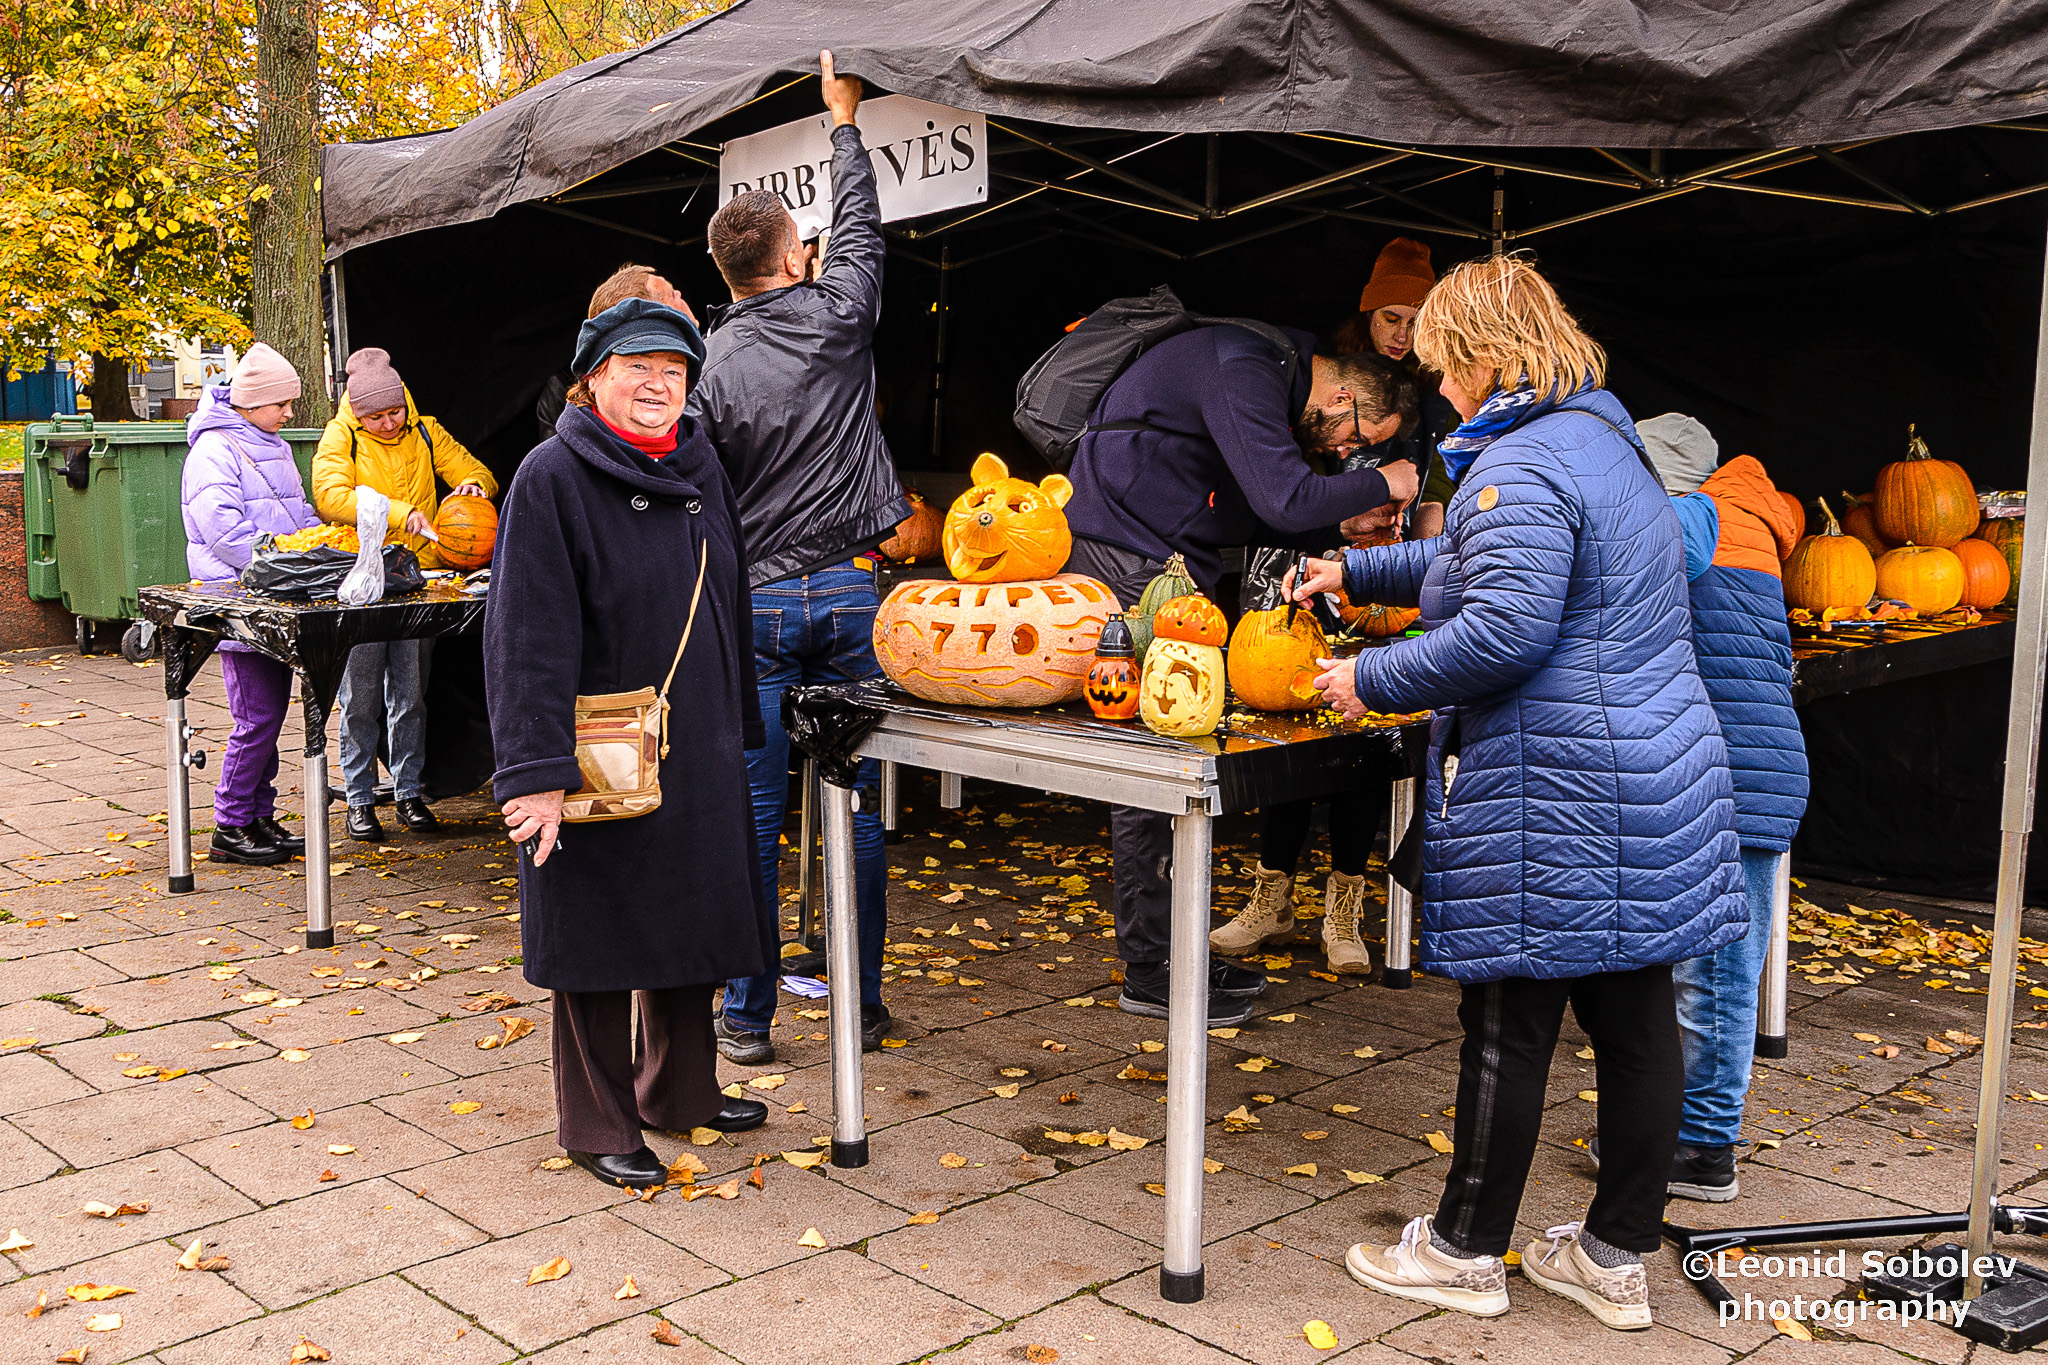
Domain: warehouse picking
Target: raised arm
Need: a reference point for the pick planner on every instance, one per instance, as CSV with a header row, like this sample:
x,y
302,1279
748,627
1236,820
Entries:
x,y
852,271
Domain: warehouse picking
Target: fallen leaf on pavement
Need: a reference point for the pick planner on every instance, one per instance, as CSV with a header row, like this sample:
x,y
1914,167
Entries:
x,y
1936,1045
665,1334
811,1238
464,1107
16,1242
231,1044
1365,1052
95,1209
1255,1064
1281,1018
775,1082
706,1137
628,1290
1305,1168
306,1351
729,1190
562,1163
804,1161
1315,1135
1014,1071
1154,1187
756,1180
516,1027
140,1073
1040,1355
341,1149
1866,1037
1438,1141
172,1074
74,1356
552,1269
103,1322
1071,1097
685,1168
1050,1046
1888,1051
952,1161
799,1108
1793,1328
1125,1142
95,1293
326,1176
42,1302
402,1038
1319,1335
1956,1035
304,1121
1590,1096
295,1054
1363,1178
1006,1092
1343,1108
895,1042
1584,1054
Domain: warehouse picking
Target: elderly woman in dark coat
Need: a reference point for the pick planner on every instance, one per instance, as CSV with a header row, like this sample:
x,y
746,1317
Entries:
x,y
598,550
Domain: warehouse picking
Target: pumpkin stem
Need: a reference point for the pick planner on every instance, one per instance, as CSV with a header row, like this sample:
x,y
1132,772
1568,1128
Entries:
x,y
1833,528
1916,449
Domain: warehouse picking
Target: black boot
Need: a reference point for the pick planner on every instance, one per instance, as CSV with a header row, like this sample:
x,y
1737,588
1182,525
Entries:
x,y
291,843
248,844
633,1170
362,825
874,1022
738,1116
415,816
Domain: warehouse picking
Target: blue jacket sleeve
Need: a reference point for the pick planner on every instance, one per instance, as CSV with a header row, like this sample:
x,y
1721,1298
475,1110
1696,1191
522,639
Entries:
x,y
852,273
1699,519
1515,562
1389,574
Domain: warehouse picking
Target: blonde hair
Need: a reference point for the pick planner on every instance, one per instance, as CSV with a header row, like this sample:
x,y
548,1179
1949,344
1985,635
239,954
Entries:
x,y
1495,323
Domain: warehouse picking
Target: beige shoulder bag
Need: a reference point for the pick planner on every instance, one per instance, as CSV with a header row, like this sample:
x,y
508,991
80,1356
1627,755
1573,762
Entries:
x,y
621,738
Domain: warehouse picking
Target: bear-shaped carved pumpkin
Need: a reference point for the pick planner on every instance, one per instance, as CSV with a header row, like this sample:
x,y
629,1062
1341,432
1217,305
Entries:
x,y
1004,530
992,644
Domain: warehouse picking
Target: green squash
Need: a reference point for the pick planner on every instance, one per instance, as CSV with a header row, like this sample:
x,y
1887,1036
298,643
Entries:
x,y
1173,581
2006,535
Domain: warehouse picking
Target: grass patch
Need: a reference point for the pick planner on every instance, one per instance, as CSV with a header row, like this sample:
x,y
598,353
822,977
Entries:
x,y
11,434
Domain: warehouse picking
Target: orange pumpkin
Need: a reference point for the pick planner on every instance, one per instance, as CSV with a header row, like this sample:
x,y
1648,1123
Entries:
x,y
1004,530
921,535
468,527
1193,618
1798,511
1859,519
1924,501
992,644
1273,662
1927,578
1985,575
1376,620
1830,569
2006,535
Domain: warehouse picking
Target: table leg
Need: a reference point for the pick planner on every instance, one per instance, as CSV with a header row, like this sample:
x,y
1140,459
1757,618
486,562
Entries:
x,y
807,858
1773,990
1187,1058
890,834
950,791
178,778
319,890
1400,900
842,976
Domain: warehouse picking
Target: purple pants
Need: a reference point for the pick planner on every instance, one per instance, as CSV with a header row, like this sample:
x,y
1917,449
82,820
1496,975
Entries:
x,y
259,693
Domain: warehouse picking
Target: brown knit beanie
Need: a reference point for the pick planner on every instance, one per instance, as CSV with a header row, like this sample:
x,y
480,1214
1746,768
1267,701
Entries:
x,y
373,385
1400,276
262,377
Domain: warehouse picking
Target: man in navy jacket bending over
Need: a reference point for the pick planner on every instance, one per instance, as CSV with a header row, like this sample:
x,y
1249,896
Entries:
x,y
1210,453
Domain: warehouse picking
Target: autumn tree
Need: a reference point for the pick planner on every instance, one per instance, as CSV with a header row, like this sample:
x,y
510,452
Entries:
x,y
284,209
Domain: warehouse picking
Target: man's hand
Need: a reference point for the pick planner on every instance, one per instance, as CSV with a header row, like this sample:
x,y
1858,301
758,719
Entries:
x,y
842,93
1381,526
416,524
1339,686
1324,575
468,490
1402,481
539,813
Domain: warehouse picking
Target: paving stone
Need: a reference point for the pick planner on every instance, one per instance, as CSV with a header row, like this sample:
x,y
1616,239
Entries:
x,y
290,1252
760,1229
842,1307
1097,1105
166,953
1087,1331
1113,1194
1279,1143
488,1282
505,1190
23,1161
323,1018
92,927
517,1104
169,1305
453,1046
971,1253
46,1023
904,1167
629,1341
1881,1161
896,1088
384,1320
1541,1327
180,1195
114,1126
188,1046
981,1052
59,973
953,1007
157,1000
278,1162
29,1080
361,1069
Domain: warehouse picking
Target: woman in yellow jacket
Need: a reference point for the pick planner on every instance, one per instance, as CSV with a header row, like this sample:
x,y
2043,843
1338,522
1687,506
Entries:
x,y
379,441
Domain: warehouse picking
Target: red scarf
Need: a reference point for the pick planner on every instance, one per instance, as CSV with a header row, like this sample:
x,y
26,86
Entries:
x,y
653,447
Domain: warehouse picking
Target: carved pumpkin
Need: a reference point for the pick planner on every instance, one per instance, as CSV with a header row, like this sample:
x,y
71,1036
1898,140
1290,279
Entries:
x,y
468,527
1194,619
2006,535
1273,663
1798,511
919,535
1112,691
1376,620
992,644
1830,569
1173,581
1004,530
1924,501
1927,578
1180,691
1859,519
1986,578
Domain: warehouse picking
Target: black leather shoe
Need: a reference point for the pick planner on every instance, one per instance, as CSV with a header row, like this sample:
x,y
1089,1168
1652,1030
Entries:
x,y
362,825
874,1021
414,814
1224,1010
633,1171
1227,978
291,843
248,844
738,1116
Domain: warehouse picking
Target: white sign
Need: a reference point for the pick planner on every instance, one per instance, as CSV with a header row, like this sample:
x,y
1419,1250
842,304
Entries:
x,y
927,157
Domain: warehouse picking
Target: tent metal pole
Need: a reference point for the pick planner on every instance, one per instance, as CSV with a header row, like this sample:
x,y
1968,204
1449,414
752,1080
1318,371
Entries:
x,y
2016,821
337,339
939,352
1213,178
1136,182
1500,211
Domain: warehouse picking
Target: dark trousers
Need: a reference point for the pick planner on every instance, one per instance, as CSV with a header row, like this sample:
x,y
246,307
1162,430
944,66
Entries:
x,y
1510,1035
603,1097
1354,820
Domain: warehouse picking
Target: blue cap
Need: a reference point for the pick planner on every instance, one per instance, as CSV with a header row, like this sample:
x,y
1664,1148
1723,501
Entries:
x,y
636,327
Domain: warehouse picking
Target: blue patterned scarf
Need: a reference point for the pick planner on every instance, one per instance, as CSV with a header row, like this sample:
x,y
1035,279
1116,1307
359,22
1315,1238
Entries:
x,y
1503,411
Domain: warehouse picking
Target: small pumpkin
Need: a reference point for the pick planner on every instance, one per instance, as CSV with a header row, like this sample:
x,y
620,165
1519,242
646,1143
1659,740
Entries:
x,y
1927,578
1798,511
1180,690
1005,530
1173,580
1376,620
1859,519
1986,579
1924,501
1830,569
1112,690
1193,618
919,536
2006,535
992,644
468,528
1273,662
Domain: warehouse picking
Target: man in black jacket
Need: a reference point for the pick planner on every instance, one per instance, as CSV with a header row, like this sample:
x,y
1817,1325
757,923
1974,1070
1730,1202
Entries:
x,y
788,398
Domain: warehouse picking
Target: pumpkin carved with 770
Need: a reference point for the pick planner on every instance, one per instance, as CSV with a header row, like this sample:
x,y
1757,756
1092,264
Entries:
x,y
993,644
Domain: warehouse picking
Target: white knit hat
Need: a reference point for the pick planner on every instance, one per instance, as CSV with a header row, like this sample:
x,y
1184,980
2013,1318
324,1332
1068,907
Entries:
x,y
1683,450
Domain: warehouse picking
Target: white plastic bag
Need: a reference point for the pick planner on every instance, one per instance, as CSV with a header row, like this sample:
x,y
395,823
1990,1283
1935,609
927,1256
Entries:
x,y
365,582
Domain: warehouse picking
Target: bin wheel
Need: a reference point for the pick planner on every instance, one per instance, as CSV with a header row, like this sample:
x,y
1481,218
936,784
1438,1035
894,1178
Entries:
x,y
88,636
138,642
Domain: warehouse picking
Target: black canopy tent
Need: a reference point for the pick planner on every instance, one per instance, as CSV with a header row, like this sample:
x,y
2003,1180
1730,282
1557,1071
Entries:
x,y
1807,224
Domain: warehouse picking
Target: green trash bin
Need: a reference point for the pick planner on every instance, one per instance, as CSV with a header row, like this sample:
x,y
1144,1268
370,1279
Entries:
x,y
103,517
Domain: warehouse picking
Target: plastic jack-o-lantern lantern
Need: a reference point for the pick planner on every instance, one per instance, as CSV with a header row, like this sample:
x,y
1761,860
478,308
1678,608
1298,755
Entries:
x,y
1180,691
992,644
1112,691
1004,530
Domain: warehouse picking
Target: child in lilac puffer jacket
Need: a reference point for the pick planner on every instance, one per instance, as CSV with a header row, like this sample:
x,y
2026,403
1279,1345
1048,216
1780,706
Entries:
x,y
240,483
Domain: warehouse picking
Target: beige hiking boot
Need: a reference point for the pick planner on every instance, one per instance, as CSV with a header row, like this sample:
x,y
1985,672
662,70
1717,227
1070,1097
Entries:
x,y
1268,918
1343,903
1414,1269
1620,1297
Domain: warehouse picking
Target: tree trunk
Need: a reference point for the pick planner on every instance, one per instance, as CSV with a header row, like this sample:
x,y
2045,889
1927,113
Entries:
x,y
109,390
284,213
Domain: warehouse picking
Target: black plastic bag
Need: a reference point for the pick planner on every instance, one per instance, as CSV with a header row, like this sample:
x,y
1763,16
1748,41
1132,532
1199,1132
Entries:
x,y
1265,568
316,574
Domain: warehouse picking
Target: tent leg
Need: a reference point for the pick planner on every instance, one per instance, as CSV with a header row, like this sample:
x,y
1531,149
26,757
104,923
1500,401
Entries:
x,y
1773,992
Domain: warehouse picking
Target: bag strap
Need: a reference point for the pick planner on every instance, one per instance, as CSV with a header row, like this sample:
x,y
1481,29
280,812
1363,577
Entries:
x,y
689,623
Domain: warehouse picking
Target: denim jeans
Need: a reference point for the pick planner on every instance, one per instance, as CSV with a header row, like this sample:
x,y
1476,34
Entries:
x,y
1717,1016
813,628
383,682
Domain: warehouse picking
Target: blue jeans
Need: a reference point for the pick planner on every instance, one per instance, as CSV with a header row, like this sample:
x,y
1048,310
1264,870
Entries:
x,y
814,628
383,683
1717,1016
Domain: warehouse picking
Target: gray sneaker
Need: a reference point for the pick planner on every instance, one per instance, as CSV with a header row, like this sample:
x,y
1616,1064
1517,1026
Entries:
x,y
1414,1269
1619,1297
741,1049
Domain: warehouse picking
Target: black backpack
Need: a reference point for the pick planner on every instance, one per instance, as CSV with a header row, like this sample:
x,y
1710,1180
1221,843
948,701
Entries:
x,y
1059,392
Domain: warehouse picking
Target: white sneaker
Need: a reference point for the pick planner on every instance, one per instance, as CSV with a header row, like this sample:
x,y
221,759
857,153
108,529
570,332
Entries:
x,y
1620,1297
1343,900
1267,918
1414,1269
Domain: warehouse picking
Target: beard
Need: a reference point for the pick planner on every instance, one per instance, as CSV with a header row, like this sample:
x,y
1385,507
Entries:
x,y
1322,431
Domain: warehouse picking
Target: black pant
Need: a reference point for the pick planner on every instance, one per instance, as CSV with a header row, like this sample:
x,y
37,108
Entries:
x,y
1354,820
1510,1035
603,1097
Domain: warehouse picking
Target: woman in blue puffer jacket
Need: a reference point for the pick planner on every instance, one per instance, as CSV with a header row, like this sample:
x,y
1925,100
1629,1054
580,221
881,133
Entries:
x,y
1579,823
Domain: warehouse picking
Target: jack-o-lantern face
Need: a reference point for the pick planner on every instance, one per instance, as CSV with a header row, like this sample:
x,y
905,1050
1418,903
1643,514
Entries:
x,y
1004,530
992,644
1112,690
1193,618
